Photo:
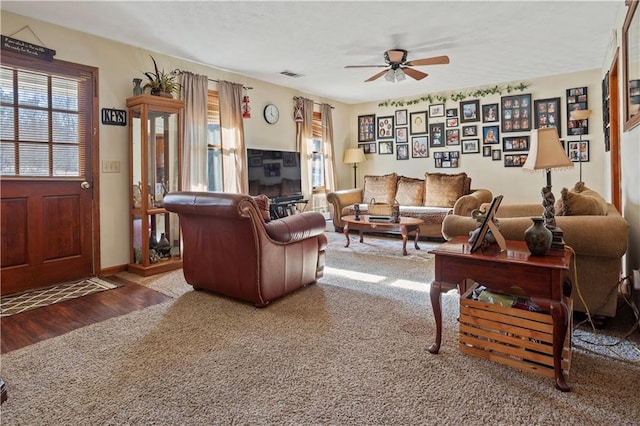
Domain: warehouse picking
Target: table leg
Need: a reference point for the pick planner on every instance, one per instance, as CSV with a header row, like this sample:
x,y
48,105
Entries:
x,y
403,231
560,315
434,294
345,231
361,236
417,238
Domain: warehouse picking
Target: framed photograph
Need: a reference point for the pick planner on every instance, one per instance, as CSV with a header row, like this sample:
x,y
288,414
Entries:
x,y
496,155
271,169
367,128
436,110
468,131
576,101
452,137
516,113
490,113
420,146
402,151
486,151
515,160
385,127
418,122
385,147
547,114
470,146
401,117
289,159
578,151
478,238
515,143
436,130
369,148
401,135
446,159
491,135
452,112
255,161
452,122
469,111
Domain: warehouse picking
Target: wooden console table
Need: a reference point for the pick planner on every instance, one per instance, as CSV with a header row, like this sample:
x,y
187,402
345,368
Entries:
x,y
543,279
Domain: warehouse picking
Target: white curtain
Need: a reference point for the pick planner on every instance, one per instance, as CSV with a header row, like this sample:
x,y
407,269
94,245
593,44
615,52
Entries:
x,y
304,137
329,156
194,139
234,164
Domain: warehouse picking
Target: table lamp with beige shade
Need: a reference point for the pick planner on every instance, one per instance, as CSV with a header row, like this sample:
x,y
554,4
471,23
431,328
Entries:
x,y
355,156
579,115
547,153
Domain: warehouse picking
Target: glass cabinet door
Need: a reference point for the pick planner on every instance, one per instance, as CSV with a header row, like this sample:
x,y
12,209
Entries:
x,y
155,152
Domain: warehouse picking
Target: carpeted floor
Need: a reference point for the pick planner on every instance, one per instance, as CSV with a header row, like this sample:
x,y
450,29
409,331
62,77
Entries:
x,y
21,302
350,350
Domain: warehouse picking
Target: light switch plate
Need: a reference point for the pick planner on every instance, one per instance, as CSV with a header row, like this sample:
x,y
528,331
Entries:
x,y
110,166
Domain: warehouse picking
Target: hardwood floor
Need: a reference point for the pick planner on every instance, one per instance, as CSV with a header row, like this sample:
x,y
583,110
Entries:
x,y
26,328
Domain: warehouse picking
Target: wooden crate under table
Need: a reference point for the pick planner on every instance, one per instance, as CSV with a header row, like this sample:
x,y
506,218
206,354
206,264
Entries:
x,y
511,336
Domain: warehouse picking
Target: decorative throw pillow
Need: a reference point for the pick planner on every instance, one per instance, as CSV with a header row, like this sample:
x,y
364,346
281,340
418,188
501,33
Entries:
x,y
443,190
585,203
410,191
380,188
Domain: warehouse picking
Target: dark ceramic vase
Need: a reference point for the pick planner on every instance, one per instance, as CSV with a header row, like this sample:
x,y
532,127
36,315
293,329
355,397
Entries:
x,y
538,237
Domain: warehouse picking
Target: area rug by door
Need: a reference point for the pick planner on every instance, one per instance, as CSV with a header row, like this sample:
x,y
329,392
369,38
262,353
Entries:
x,y
15,303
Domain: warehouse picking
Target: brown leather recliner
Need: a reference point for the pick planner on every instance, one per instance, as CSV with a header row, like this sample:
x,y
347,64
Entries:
x,y
229,249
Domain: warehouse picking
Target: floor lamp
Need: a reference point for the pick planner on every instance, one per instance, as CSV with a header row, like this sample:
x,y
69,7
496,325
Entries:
x,y
355,156
579,115
546,153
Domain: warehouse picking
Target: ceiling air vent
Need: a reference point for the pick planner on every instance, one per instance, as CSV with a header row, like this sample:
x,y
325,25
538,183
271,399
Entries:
x,y
291,74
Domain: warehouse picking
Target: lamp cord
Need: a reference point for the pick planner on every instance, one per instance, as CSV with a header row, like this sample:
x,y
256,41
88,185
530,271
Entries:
x,y
600,342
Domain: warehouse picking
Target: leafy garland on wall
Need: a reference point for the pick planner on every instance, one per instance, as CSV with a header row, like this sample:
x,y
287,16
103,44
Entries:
x,y
479,93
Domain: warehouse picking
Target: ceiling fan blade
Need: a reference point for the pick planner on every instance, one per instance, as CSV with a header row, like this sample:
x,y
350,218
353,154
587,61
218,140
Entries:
x,y
418,75
377,76
366,66
436,60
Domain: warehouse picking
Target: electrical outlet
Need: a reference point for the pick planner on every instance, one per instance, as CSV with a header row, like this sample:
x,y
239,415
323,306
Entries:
x,y
636,279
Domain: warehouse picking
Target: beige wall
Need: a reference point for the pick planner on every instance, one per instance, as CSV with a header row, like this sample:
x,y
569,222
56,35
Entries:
x,y
514,183
119,64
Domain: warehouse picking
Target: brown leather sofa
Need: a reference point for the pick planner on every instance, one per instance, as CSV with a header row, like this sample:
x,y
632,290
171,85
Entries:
x,y
229,248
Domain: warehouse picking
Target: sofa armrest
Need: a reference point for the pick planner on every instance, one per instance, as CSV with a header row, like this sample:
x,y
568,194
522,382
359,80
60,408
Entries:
x,y
467,203
603,236
297,227
341,199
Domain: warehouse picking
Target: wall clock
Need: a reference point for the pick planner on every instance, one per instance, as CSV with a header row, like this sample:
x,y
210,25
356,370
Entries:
x,y
271,114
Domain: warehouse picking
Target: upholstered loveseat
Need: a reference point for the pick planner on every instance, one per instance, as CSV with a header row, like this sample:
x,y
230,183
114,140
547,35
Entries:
x,y
595,230
430,199
232,248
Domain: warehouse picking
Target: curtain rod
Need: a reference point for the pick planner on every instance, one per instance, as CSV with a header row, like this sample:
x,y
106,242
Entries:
x,y
179,71
295,98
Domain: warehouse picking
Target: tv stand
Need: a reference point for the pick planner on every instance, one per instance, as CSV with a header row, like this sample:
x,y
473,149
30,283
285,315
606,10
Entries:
x,y
286,206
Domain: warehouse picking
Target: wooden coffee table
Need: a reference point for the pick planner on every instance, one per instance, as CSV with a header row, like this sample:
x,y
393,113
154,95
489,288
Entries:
x,y
406,225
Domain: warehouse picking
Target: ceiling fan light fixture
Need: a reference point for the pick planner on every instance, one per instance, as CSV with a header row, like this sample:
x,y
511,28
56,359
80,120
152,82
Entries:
x,y
400,75
390,76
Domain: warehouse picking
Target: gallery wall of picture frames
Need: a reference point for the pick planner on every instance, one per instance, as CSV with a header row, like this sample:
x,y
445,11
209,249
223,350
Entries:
x,y
475,128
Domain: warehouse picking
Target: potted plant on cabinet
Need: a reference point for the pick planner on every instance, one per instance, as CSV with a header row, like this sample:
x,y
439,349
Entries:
x,y
161,83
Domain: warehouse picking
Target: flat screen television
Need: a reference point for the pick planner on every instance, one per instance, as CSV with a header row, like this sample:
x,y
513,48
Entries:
x,y
276,174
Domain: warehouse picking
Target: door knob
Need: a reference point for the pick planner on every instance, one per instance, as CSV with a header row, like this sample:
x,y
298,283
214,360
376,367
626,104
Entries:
x,y
85,185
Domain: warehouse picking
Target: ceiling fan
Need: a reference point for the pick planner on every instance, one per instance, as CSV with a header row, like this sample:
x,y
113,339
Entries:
x,y
396,60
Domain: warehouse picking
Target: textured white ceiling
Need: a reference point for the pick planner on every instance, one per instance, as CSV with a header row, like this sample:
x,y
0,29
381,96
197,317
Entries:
x,y
488,42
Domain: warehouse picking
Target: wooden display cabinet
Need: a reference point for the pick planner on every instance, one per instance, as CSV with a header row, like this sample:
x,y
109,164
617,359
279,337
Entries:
x,y
155,153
